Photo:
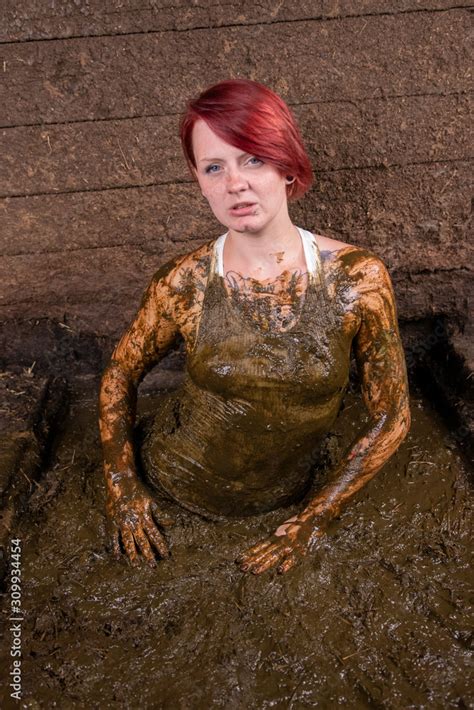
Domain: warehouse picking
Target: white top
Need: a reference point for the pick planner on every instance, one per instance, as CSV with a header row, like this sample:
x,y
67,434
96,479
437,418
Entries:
x,y
310,247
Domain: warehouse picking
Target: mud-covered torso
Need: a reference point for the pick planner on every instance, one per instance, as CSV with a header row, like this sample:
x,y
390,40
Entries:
x,y
261,388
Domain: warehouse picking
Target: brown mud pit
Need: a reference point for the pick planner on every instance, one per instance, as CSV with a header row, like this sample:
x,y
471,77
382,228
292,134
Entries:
x,y
377,617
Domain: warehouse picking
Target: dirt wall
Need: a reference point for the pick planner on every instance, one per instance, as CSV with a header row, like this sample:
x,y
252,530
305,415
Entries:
x,y
94,191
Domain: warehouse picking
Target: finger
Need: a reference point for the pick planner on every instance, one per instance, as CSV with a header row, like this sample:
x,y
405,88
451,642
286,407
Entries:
x,y
255,559
258,550
272,559
156,537
287,564
272,556
129,544
142,542
161,518
252,551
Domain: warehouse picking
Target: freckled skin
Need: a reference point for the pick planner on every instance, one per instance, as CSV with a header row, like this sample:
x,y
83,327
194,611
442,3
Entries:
x,y
359,284
279,255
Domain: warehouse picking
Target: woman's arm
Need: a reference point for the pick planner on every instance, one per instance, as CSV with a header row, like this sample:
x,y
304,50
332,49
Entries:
x,y
382,369
149,338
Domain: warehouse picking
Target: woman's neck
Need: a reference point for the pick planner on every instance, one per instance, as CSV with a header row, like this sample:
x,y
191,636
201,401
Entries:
x,y
264,255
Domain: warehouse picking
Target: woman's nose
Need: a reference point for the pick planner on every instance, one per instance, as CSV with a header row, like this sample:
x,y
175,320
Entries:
x,y
235,181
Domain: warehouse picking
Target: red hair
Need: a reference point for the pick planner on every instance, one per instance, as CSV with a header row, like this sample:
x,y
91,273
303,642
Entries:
x,y
250,116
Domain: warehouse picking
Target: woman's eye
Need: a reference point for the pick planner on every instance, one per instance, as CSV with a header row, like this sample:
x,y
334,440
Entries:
x,y
210,168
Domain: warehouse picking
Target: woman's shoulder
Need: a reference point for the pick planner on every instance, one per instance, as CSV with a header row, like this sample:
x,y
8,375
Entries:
x,y
186,268
330,246
347,256
353,267
333,248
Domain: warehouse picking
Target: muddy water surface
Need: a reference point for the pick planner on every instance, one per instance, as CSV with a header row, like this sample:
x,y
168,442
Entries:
x,y
377,618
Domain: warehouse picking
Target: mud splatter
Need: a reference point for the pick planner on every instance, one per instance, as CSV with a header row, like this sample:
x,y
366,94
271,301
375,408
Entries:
x,y
375,617
257,399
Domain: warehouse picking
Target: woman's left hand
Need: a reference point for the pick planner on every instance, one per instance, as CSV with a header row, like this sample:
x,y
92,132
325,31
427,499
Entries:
x,y
291,541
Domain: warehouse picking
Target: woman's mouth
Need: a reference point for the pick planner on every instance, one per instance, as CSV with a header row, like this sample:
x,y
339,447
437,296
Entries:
x,y
242,208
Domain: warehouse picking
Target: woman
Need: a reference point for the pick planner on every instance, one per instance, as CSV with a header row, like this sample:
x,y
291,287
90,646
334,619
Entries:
x,y
269,313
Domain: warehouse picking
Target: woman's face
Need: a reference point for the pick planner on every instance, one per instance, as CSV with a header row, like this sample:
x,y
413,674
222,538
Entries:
x,y
228,177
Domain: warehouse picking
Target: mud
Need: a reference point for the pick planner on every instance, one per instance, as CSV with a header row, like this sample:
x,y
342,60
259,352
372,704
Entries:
x,y
255,401
377,617
30,408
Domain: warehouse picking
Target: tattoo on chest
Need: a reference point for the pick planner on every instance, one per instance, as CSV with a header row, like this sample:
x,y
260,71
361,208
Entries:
x,y
272,304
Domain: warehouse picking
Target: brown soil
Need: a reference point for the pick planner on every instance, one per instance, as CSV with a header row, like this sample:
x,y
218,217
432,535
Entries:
x,y
376,618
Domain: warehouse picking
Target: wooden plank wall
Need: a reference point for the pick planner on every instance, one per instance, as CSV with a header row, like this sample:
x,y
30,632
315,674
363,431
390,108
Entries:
x,y
94,191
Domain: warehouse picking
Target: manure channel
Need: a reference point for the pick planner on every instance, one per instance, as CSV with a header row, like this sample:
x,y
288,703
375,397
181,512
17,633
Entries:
x,y
377,617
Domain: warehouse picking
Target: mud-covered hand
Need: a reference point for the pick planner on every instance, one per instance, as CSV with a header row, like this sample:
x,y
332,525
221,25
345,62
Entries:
x,y
134,516
292,540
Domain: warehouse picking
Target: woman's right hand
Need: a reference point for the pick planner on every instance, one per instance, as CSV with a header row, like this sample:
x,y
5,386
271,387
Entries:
x,y
133,516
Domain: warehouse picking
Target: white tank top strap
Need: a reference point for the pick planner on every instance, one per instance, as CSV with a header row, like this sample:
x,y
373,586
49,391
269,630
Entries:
x,y
218,258
310,247
312,254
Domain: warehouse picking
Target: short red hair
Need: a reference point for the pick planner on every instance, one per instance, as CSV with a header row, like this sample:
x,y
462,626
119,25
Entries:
x,y
250,116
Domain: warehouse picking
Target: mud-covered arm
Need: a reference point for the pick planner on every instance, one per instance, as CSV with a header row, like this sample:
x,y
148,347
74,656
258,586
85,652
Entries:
x,y
382,369
150,336
132,514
